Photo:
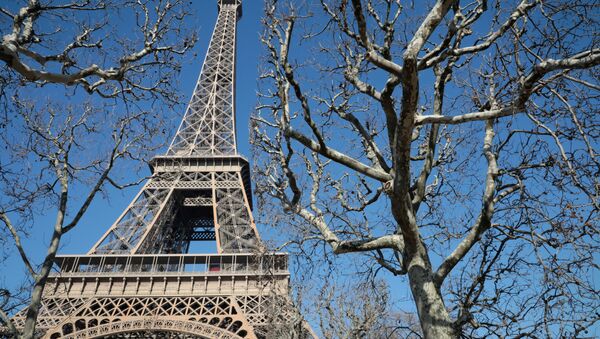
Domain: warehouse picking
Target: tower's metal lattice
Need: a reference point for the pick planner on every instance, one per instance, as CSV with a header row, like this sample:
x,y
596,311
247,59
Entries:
x,y
208,127
138,280
201,168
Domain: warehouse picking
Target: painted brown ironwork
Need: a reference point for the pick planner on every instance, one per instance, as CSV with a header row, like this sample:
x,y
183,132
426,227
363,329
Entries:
x,y
139,280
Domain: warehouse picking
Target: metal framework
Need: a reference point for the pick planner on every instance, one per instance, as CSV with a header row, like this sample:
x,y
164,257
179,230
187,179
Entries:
x,y
187,198
138,280
208,127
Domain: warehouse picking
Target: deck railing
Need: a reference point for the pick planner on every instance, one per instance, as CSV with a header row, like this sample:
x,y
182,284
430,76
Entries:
x,y
171,264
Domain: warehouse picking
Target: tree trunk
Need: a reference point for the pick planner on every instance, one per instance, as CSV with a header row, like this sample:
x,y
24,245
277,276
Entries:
x,y
33,310
40,283
433,316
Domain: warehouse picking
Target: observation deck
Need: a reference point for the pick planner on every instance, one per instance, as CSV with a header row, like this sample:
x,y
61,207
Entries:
x,y
168,274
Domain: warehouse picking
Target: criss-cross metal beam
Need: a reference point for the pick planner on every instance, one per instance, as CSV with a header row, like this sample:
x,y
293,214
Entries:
x,y
208,127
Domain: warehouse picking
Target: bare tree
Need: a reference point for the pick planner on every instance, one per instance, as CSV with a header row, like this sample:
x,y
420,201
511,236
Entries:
x,y
363,310
60,155
91,44
452,143
62,148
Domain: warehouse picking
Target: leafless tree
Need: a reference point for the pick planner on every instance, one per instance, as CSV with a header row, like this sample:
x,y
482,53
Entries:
x,y
362,310
60,155
451,143
63,143
91,44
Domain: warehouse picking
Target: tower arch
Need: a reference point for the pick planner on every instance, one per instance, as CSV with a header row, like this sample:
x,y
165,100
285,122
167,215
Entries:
x,y
150,327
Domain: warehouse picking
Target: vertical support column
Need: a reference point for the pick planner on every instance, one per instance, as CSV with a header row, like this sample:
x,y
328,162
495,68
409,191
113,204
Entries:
x,y
237,232
125,235
213,181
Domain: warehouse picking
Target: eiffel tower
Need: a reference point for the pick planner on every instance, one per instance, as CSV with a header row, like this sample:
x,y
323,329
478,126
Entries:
x,y
138,280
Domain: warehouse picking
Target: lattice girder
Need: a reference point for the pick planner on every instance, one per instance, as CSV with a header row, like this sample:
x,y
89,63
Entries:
x,y
211,316
208,126
145,222
219,315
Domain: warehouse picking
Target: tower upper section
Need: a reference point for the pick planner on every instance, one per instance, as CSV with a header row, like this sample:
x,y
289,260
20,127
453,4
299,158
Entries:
x,y
208,126
238,3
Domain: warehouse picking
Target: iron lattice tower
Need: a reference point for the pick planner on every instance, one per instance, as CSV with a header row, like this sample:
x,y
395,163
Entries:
x,y
139,280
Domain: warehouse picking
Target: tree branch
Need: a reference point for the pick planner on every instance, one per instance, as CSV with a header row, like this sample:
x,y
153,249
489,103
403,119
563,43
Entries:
x,y
582,60
487,211
17,240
